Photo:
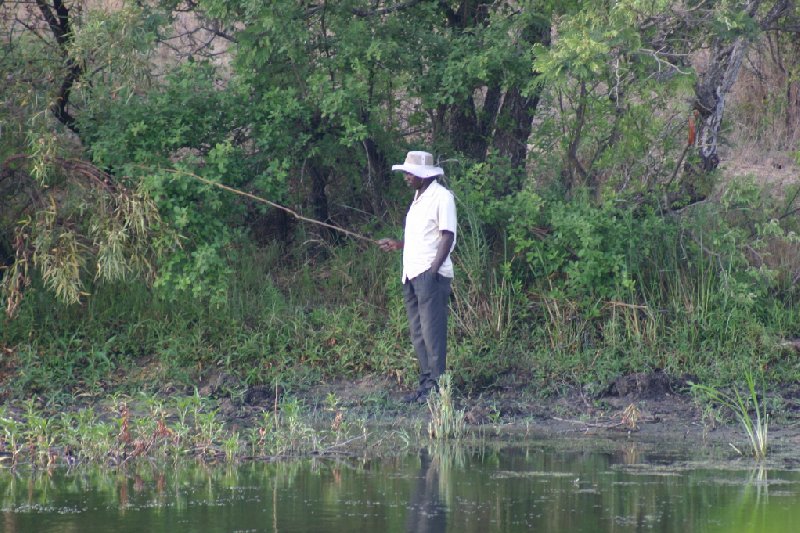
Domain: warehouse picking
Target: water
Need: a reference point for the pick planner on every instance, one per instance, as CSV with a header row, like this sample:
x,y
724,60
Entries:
x,y
551,487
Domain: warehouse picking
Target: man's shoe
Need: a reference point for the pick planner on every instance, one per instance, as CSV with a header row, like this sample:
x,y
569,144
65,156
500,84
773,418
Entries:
x,y
422,398
412,397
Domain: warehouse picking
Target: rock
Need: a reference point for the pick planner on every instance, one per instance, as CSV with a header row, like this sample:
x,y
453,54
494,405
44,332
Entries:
x,y
262,395
217,384
642,385
227,409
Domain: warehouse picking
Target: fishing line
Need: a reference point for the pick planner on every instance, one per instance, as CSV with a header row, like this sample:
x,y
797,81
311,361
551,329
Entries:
x,y
271,204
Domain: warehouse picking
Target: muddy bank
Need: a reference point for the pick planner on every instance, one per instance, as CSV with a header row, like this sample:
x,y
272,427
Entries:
x,y
647,406
221,419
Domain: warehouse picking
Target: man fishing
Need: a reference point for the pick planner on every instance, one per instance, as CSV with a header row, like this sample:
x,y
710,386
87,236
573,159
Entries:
x,y
428,239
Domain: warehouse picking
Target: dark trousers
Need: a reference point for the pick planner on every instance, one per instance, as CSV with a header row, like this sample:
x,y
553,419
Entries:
x,y
426,298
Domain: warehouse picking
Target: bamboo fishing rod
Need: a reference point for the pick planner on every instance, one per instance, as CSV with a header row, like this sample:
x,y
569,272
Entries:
x,y
270,203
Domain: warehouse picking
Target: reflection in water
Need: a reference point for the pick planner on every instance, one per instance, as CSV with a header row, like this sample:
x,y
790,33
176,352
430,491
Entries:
x,y
426,514
531,487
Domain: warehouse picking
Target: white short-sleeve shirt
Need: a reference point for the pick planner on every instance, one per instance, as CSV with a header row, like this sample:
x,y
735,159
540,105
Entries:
x,y
430,213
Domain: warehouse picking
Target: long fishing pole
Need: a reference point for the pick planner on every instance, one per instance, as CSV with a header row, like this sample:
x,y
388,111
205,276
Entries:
x,y
272,204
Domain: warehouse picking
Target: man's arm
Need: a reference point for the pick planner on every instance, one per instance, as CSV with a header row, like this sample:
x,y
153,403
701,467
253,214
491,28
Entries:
x,y
443,251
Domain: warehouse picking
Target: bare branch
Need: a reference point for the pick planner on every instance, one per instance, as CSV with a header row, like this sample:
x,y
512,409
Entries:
x,y
33,30
660,55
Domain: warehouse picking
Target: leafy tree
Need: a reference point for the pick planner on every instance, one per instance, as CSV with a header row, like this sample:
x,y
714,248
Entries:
x,y
64,220
308,103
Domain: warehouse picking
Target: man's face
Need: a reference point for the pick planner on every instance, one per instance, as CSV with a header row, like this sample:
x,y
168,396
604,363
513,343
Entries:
x,y
413,181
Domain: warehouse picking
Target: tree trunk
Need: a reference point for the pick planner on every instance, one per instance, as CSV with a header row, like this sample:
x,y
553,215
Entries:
x,y
464,132
514,119
716,82
319,198
377,175
710,92
513,126
57,18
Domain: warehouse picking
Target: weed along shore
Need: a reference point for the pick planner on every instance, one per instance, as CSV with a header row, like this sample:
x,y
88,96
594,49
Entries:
x,y
218,423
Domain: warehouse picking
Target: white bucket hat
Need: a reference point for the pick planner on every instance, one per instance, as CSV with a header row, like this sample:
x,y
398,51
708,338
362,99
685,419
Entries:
x,y
420,164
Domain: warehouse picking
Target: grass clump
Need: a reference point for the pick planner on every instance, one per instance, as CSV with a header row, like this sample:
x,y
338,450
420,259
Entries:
x,y
447,422
756,428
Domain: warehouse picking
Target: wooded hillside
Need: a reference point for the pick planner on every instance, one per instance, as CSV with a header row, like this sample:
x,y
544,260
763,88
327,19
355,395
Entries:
x,y
609,160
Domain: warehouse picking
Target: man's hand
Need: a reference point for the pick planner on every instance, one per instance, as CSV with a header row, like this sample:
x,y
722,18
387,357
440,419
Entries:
x,y
389,245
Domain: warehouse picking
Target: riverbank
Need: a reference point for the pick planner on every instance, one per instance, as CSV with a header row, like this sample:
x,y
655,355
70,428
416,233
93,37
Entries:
x,y
649,407
219,420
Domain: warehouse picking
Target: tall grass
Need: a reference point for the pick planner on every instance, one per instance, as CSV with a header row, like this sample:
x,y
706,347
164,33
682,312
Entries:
x,y
485,294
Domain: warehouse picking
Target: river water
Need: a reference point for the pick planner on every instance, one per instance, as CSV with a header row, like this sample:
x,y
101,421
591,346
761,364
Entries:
x,y
569,486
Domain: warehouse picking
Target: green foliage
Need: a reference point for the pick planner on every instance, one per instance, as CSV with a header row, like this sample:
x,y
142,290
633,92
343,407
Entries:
x,y
71,224
587,250
586,41
188,119
186,112
603,290
493,193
